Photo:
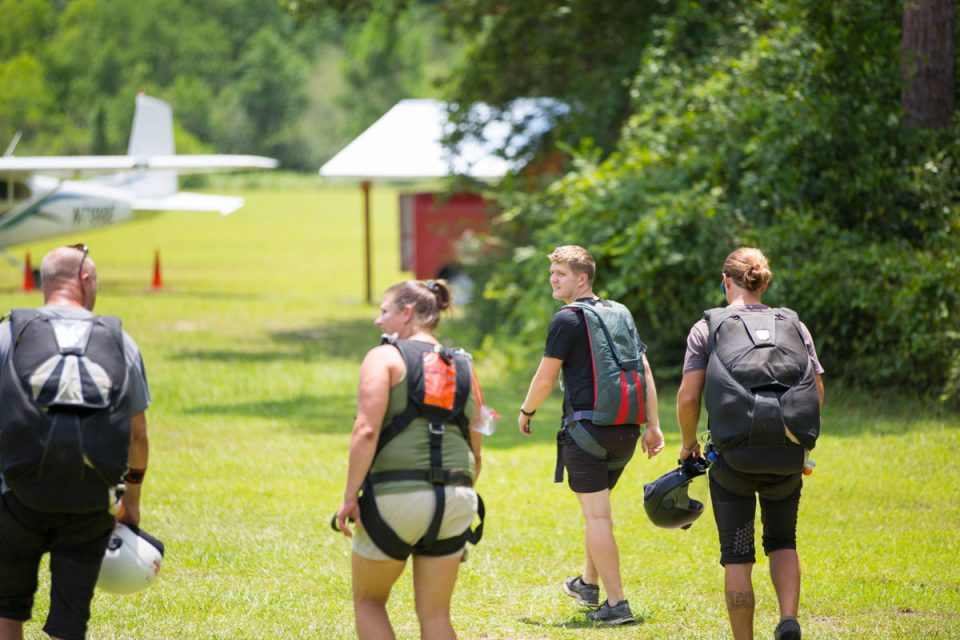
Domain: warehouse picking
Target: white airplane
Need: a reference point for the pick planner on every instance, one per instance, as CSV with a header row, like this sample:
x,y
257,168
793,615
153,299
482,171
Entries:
x,y
40,197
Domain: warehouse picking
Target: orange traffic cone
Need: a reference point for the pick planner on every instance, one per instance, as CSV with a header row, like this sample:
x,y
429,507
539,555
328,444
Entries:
x,y
157,278
28,282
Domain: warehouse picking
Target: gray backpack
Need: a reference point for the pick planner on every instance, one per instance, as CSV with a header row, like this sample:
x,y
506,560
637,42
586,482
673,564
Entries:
x,y
759,379
65,424
620,389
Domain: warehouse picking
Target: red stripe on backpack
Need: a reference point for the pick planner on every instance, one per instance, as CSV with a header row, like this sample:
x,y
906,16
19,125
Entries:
x,y
624,400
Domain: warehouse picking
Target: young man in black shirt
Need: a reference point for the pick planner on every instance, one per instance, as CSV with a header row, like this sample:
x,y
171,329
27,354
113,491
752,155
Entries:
x,y
591,477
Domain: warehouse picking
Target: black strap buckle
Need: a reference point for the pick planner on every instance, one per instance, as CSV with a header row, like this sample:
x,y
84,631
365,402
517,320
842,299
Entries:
x,y
436,475
436,428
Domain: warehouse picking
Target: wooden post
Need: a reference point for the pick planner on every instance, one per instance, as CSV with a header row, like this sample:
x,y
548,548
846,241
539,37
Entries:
x,y
365,185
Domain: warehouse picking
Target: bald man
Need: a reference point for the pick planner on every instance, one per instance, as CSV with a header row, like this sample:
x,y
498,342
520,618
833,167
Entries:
x,y
73,437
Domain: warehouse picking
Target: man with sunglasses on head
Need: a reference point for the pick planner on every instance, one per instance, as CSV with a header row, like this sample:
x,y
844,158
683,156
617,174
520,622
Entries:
x,y
73,439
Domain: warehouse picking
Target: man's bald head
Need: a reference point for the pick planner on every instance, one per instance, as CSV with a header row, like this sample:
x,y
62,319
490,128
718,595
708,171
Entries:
x,y
61,271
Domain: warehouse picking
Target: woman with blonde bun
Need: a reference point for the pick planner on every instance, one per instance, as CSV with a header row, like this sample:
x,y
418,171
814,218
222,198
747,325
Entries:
x,y
758,372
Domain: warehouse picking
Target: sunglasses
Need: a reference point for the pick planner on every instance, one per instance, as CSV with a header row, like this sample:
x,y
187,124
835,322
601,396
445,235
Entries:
x,y
80,247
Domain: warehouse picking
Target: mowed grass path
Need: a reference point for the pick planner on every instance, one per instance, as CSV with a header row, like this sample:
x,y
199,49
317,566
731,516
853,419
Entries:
x,y
253,349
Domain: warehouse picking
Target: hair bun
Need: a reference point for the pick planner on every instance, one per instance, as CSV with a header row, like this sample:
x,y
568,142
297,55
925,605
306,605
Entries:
x,y
441,289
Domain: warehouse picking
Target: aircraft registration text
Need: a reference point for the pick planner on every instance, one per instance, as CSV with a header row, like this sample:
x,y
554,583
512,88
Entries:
x,y
93,215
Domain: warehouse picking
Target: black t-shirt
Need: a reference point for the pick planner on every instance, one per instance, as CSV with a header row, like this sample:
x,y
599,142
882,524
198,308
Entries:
x,y
567,340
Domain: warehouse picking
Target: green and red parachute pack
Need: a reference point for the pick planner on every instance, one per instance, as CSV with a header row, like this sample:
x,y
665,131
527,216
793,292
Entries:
x,y
619,378
65,424
439,383
760,382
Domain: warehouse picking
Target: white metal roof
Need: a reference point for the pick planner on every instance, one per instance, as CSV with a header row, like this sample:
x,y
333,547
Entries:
x,y
406,142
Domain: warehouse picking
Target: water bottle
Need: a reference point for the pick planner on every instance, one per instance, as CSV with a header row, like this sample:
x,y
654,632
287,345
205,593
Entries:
x,y
488,421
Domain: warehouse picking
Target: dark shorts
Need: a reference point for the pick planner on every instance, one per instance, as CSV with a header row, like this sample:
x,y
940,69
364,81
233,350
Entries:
x,y
734,498
587,473
76,543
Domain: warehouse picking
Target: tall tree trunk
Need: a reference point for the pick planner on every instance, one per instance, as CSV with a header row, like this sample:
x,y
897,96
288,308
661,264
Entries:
x,y
928,67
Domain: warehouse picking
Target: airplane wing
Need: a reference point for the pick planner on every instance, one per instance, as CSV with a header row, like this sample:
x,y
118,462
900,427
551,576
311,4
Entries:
x,y
186,201
72,166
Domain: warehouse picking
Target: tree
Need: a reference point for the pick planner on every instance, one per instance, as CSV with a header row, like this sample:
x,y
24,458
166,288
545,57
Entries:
x,y
259,108
929,62
583,52
24,97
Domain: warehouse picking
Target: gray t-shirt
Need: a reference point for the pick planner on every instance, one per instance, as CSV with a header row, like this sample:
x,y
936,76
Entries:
x,y
697,353
139,389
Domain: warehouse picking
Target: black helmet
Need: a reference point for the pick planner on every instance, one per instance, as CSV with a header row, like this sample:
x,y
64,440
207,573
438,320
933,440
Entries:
x,y
666,501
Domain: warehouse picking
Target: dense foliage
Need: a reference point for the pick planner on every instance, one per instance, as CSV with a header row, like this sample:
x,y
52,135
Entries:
x,y
243,76
775,124
584,51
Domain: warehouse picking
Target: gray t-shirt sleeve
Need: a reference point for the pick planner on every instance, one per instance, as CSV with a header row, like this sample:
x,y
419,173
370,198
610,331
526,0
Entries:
x,y
812,350
137,373
696,355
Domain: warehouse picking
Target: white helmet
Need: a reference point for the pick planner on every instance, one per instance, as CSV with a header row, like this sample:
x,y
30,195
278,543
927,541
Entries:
x,y
132,560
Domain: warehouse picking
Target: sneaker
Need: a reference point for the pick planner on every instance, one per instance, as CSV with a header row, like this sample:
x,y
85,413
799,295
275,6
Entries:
x,y
586,594
788,629
617,614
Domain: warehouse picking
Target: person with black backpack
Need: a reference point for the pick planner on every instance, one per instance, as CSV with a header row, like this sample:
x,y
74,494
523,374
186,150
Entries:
x,y
608,392
73,439
414,460
756,369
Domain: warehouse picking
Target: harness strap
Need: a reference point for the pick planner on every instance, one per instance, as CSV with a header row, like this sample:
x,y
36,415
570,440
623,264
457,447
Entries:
x,y
448,546
376,527
398,424
391,544
576,416
579,434
586,441
436,464
437,413
456,478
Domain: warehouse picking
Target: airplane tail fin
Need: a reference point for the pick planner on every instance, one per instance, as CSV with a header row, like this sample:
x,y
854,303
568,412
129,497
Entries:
x,y
152,135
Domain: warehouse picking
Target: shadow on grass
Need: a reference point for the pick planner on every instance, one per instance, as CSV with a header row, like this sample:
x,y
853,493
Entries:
x,y
847,413
349,339
344,339
573,624
142,287
314,414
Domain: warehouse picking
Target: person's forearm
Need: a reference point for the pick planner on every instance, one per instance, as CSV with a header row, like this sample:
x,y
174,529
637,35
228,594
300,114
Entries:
x,y
652,409
540,387
475,445
688,406
688,416
138,458
363,448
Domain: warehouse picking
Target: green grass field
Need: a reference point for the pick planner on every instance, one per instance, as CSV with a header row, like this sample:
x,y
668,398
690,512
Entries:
x,y
252,351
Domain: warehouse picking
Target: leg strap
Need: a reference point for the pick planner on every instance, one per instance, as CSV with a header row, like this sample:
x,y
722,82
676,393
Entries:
x,y
379,531
448,546
579,434
386,538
